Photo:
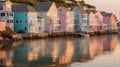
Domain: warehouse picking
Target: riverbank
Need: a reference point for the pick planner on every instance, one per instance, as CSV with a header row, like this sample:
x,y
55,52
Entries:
x,y
16,37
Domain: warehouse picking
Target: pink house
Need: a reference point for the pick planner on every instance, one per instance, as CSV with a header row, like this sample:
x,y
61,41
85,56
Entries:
x,y
96,21
99,20
62,17
107,20
93,23
66,19
2,25
6,13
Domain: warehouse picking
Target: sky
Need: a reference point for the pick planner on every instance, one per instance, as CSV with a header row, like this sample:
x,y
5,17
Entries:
x,y
106,5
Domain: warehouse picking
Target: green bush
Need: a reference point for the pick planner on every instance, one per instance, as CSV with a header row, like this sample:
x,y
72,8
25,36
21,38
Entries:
x,y
10,31
21,31
7,33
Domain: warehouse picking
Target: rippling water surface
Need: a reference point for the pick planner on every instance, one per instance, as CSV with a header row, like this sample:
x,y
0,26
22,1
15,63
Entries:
x,y
95,51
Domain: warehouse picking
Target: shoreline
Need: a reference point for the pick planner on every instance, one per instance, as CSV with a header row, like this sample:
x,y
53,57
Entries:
x,y
25,36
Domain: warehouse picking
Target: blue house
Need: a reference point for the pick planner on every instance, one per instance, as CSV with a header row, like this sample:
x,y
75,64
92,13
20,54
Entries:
x,y
26,18
77,19
81,19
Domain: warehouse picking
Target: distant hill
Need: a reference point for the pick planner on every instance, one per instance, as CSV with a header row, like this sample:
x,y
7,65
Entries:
x,y
58,2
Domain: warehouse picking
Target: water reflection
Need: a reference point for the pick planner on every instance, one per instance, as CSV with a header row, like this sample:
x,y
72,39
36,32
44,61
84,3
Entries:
x,y
60,51
6,58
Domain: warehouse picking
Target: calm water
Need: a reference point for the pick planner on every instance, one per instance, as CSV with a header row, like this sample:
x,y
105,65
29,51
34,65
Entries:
x,y
95,51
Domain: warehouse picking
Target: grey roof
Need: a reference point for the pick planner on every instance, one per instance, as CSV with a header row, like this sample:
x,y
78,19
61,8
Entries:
x,y
89,11
17,7
43,6
3,0
106,14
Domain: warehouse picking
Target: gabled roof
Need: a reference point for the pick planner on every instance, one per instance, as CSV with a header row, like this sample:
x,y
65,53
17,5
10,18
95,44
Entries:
x,y
64,8
81,10
93,11
43,6
17,7
106,14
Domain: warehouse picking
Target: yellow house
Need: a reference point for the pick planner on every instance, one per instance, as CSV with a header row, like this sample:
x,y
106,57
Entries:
x,y
49,11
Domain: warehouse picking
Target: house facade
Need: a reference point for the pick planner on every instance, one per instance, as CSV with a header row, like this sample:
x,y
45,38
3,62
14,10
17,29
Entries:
x,y
77,19
49,12
2,25
66,19
99,21
114,22
92,21
81,19
70,21
6,14
27,19
107,20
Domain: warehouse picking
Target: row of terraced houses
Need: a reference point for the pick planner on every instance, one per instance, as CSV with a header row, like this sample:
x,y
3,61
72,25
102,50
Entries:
x,y
46,17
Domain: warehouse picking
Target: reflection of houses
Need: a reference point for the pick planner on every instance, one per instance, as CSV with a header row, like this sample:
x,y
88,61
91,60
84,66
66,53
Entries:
x,y
110,43
68,54
21,54
6,14
6,58
66,19
81,50
63,50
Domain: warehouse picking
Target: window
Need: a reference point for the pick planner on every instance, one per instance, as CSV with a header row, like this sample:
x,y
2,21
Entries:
x,y
11,21
84,21
77,16
11,14
7,21
25,21
7,14
84,16
16,21
59,22
1,6
25,14
25,28
76,21
39,28
76,27
2,14
20,21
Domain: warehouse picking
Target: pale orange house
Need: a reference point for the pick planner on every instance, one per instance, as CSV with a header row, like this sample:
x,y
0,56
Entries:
x,y
2,25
